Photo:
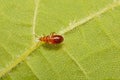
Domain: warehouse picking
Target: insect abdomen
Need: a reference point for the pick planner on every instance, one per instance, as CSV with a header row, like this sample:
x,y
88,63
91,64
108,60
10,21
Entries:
x,y
56,39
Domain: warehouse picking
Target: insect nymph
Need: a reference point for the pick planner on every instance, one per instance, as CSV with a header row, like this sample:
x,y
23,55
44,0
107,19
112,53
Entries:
x,y
52,39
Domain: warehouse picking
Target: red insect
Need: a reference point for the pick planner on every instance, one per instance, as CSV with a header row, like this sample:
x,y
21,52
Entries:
x,y
52,39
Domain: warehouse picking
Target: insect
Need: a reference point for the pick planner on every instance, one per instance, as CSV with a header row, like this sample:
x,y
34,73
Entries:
x,y
52,39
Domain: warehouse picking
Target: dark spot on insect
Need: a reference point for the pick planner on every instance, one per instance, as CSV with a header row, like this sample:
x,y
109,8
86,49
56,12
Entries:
x,y
52,39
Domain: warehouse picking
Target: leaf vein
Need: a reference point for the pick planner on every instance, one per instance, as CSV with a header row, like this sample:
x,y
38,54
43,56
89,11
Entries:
x,y
18,60
31,69
34,19
77,63
109,37
49,64
90,17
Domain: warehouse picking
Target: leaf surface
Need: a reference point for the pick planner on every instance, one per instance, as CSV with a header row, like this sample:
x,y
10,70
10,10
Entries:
x,y
90,51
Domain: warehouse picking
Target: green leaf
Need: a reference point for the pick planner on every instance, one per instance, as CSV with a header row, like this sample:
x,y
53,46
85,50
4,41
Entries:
x,y
91,47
